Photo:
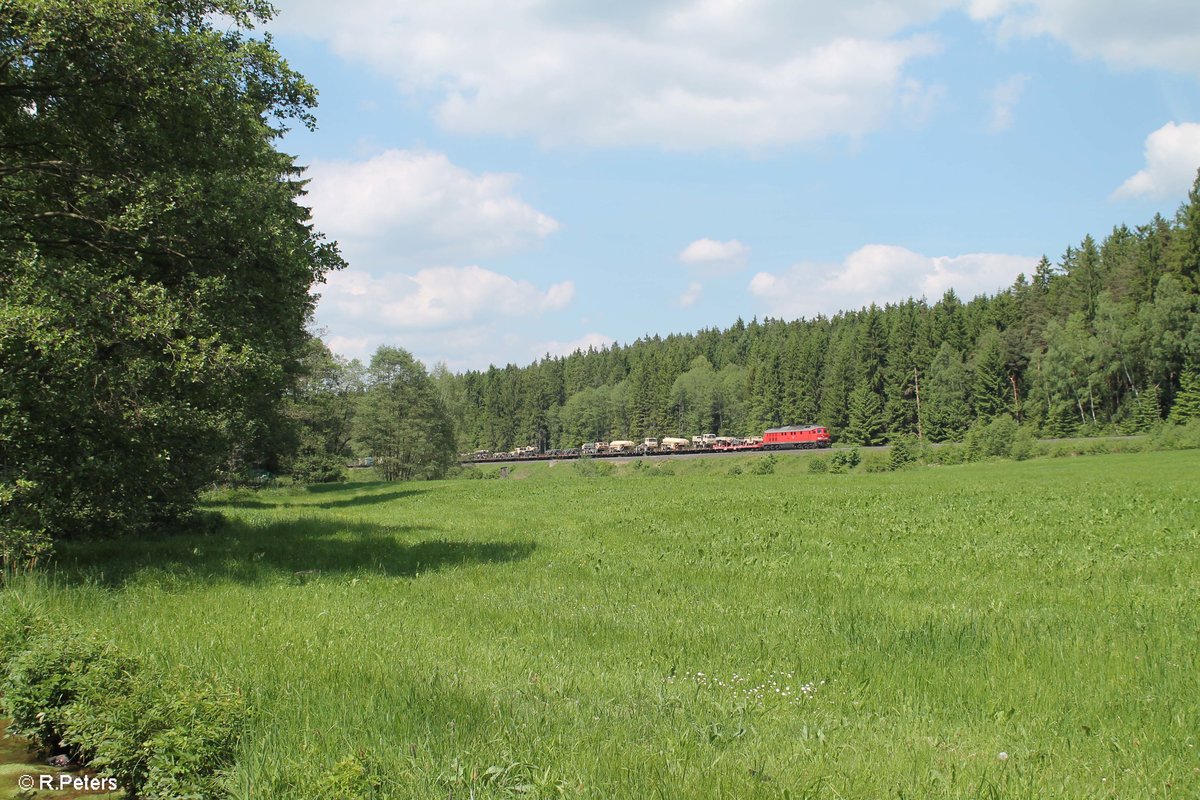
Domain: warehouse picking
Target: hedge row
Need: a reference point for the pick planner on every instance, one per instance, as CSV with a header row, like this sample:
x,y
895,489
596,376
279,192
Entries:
x,y
160,735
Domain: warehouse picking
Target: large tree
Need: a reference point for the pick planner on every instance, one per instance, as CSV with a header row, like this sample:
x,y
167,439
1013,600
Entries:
x,y
155,263
402,421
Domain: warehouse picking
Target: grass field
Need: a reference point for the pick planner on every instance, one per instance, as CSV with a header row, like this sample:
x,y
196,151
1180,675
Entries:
x,y
997,630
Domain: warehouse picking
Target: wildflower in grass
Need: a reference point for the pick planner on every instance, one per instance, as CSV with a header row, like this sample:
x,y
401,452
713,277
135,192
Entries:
x,y
776,685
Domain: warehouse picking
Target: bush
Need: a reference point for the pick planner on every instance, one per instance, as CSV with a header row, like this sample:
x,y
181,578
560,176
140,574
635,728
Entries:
x,y
1024,445
990,440
877,462
735,470
818,465
47,676
352,778
844,460
764,465
590,468
904,451
318,468
948,453
1176,437
22,542
159,737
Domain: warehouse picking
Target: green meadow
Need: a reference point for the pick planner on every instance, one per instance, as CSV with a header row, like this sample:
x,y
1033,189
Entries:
x,y
993,630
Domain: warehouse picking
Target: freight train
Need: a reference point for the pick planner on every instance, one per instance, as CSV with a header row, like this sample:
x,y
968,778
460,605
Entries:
x,y
790,437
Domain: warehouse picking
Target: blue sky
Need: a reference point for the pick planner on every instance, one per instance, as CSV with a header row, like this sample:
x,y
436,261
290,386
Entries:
x,y
513,179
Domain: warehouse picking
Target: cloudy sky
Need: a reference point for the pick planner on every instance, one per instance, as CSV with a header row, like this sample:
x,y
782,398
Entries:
x,y
528,177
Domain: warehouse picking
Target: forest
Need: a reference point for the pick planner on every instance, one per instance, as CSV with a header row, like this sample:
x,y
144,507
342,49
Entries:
x,y
1105,339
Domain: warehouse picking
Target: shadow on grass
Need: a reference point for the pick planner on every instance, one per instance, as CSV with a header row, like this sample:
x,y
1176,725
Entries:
x,y
352,490
297,551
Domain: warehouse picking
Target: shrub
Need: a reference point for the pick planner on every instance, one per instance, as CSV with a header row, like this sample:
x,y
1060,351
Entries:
x,y
1176,437
318,468
948,453
1024,445
590,468
904,451
46,677
764,465
735,470
352,778
22,541
844,460
877,462
160,737
990,440
818,465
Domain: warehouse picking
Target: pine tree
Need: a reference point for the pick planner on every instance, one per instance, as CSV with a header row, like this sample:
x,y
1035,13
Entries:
x,y
990,390
1148,412
1187,401
866,424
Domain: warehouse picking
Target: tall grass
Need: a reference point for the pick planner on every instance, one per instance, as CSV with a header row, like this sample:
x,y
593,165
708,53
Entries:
x,y
1006,630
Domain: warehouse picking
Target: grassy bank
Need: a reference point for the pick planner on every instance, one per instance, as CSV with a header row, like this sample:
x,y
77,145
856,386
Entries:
x,y
987,630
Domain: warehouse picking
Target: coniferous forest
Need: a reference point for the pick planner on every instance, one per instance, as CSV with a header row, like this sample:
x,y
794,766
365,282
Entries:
x,y
1106,338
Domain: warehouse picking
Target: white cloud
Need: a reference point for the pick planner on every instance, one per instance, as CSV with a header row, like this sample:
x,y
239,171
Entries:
x,y
1005,97
1160,34
678,74
881,274
1172,158
415,207
690,295
437,297
556,348
465,316
711,253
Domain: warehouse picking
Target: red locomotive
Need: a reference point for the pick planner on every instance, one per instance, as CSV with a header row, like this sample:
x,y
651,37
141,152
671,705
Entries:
x,y
795,436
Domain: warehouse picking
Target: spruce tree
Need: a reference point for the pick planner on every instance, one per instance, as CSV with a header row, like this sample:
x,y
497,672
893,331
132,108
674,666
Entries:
x,y
1187,401
1148,412
866,424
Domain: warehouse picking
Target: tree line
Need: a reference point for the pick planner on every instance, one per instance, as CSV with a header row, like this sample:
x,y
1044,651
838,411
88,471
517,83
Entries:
x,y
1106,338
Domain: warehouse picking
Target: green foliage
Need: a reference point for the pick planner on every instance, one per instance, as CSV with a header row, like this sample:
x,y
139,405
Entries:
x,y
764,465
352,778
319,468
1147,412
905,450
844,460
591,468
19,623
401,420
1177,437
818,464
876,462
992,439
1187,400
1024,444
21,546
947,414
154,260
52,671
866,425
160,736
